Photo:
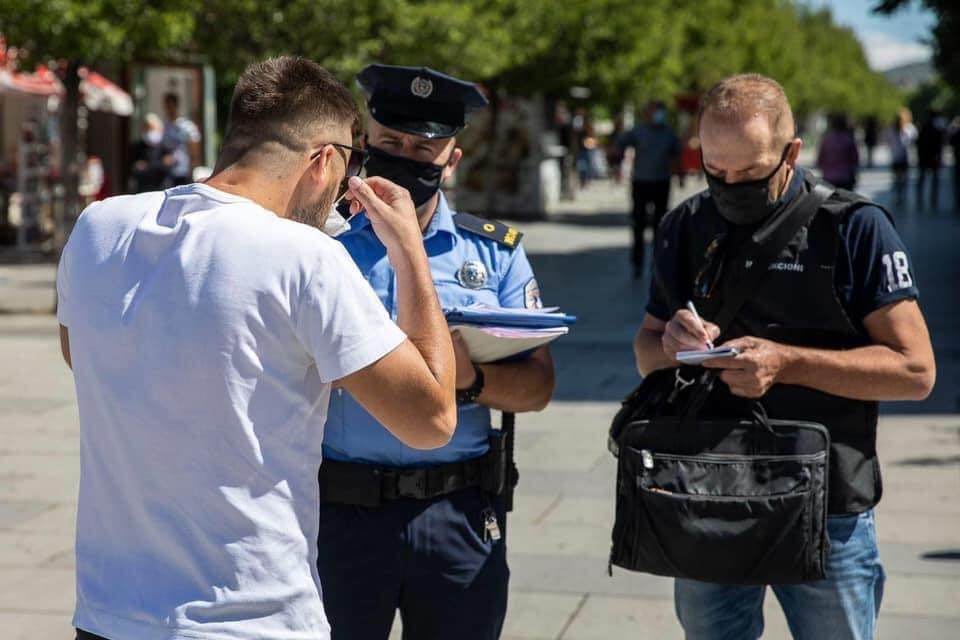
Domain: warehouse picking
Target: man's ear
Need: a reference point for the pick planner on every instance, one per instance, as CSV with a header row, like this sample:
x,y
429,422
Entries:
x,y
324,163
795,146
452,163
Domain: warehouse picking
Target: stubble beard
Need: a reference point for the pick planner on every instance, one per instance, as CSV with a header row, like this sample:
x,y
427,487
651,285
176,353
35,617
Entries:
x,y
315,214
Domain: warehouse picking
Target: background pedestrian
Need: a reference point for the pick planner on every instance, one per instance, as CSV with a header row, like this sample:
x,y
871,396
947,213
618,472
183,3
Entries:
x,y
930,143
152,159
656,157
899,138
837,157
181,135
870,131
954,141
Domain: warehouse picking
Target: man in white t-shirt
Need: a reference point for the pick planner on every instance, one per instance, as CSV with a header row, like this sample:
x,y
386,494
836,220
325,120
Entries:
x,y
205,326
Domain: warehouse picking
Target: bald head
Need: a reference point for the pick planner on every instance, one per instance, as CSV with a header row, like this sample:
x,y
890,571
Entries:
x,y
739,99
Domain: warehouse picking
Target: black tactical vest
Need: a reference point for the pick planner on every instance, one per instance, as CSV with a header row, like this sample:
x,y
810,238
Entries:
x,y
796,303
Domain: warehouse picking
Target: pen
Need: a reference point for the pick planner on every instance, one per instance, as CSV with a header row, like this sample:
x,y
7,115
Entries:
x,y
699,320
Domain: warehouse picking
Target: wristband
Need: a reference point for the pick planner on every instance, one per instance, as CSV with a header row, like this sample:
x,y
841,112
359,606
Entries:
x,y
471,393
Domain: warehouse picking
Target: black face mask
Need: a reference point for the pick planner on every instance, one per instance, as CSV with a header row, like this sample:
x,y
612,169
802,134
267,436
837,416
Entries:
x,y
421,179
744,202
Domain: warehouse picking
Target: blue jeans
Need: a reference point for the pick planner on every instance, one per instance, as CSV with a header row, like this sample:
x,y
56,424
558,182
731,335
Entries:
x,y
843,606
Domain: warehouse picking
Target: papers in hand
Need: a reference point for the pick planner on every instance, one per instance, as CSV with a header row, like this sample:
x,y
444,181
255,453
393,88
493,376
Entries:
x,y
495,333
697,357
489,344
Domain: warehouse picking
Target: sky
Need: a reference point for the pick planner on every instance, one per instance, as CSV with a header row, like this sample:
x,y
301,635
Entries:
x,y
889,41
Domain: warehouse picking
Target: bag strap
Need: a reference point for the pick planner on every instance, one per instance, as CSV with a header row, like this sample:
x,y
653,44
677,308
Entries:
x,y
766,244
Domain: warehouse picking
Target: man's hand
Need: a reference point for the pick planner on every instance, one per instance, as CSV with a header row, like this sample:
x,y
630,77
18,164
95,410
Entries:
x,y
389,209
755,370
684,333
466,375
425,374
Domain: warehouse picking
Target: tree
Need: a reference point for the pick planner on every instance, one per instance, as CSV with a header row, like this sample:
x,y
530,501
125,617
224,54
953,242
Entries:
x,y
620,49
946,34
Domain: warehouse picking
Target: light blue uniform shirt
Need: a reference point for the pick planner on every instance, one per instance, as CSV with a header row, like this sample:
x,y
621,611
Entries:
x,y
353,435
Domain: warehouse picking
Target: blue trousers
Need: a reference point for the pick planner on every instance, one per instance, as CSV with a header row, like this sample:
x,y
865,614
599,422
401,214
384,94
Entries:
x,y
843,606
428,558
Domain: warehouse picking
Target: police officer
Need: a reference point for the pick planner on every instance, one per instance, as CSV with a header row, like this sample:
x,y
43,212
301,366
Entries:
x,y
424,531
833,328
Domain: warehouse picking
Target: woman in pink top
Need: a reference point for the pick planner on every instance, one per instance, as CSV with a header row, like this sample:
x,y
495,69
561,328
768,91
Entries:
x,y
838,157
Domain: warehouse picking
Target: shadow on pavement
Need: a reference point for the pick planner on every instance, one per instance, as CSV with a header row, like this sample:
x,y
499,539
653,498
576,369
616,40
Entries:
x,y
942,555
595,362
599,219
932,237
927,462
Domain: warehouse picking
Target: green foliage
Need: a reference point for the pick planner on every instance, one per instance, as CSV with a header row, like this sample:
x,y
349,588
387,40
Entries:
x,y
620,49
820,64
97,30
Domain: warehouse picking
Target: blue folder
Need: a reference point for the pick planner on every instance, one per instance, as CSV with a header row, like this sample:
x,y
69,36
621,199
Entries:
x,y
506,318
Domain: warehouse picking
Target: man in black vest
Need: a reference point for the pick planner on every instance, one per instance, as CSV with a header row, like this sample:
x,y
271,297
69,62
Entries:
x,y
833,328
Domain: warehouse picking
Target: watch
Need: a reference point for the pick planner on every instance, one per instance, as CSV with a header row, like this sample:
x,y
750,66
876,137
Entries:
x,y
471,393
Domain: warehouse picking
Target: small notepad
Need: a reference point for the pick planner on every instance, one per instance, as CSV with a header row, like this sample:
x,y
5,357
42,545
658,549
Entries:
x,y
697,357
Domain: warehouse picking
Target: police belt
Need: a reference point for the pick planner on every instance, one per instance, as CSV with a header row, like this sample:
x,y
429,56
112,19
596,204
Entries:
x,y
370,485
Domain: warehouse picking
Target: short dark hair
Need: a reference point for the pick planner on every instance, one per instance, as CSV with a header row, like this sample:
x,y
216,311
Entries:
x,y
171,98
284,100
742,96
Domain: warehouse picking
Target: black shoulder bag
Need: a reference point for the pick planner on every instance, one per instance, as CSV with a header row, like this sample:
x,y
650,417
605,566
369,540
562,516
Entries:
x,y
731,500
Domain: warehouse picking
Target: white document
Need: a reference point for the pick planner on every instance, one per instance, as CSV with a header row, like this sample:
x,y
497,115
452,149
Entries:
x,y
489,344
697,357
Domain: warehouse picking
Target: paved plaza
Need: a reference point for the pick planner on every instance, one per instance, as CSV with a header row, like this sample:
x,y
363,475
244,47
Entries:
x,y
559,532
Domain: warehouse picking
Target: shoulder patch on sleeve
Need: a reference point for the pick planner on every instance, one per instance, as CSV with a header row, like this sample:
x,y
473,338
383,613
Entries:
x,y
531,295
497,231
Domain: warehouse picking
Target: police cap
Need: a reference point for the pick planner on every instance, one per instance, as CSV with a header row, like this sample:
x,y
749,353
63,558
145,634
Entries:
x,y
419,100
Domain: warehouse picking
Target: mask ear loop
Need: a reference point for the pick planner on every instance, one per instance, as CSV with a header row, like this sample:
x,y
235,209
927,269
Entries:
x,y
346,215
783,160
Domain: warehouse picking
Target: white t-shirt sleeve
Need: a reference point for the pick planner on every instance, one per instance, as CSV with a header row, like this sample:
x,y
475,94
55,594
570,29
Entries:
x,y
63,288
340,319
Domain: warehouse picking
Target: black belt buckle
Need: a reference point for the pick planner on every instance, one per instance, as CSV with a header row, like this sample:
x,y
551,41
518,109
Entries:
x,y
411,483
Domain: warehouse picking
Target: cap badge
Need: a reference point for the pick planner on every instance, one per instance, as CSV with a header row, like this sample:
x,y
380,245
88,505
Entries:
x,y
472,275
421,87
